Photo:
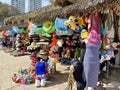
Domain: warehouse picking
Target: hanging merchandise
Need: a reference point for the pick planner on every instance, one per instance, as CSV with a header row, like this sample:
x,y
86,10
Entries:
x,y
9,32
84,33
4,34
109,26
39,30
15,29
54,42
75,24
94,23
0,35
23,31
77,52
103,36
85,20
116,21
61,29
47,28
31,28
32,47
119,27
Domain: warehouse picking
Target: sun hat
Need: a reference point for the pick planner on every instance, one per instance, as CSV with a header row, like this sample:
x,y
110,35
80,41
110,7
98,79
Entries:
x,y
42,52
19,45
59,43
42,41
33,46
42,56
18,49
18,36
18,39
93,37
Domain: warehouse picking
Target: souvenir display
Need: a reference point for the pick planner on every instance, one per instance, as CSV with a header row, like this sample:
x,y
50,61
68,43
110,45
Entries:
x,y
90,37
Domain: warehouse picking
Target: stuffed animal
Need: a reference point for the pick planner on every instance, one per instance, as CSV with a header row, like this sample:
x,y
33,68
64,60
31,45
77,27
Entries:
x,y
84,33
15,78
47,28
62,29
67,55
75,23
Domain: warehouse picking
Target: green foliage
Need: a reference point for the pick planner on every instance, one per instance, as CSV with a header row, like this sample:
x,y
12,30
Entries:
x,y
7,11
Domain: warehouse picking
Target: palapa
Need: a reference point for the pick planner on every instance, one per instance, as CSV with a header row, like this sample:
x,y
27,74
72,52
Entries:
x,y
51,12
77,8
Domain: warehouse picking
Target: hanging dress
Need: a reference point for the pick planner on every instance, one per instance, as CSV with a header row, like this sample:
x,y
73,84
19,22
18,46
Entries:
x,y
91,64
109,26
91,58
119,27
94,22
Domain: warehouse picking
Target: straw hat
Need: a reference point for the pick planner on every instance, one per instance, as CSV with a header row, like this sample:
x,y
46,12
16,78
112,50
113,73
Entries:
x,y
32,46
34,35
18,49
42,52
42,56
18,36
42,41
59,43
18,45
18,39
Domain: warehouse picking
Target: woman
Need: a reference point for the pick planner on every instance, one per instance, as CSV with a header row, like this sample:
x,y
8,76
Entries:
x,y
91,59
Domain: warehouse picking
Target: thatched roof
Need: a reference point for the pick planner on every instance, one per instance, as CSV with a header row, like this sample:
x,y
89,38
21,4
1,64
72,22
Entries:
x,y
31,14
73,9
9,27
61,3
76,1
51,12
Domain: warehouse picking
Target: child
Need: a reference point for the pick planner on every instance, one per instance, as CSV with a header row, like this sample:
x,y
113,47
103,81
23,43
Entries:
x,y
75,79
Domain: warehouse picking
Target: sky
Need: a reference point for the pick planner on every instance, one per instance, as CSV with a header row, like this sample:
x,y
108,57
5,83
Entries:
x,y
5,1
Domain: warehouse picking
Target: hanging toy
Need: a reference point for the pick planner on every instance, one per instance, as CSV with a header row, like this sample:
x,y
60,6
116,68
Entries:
x,y
74,23
61,29
84,33
54,41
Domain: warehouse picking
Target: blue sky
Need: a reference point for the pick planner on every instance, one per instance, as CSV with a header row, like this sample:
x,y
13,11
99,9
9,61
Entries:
x,y
5,1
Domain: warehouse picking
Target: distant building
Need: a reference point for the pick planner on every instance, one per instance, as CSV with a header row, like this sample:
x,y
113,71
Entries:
x,y
35,4
20,4
32,5
29,5
45,3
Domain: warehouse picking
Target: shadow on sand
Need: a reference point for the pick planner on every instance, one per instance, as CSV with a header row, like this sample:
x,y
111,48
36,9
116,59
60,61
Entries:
x,y
57,78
